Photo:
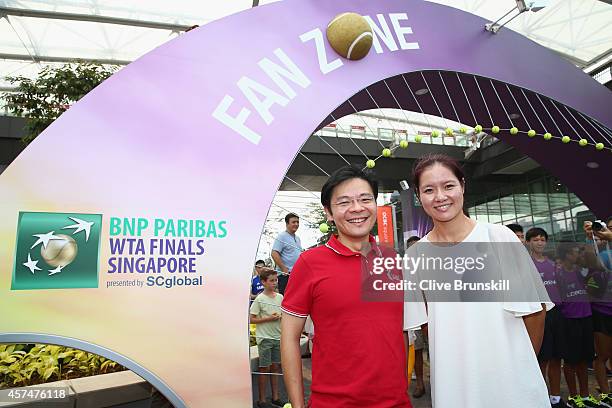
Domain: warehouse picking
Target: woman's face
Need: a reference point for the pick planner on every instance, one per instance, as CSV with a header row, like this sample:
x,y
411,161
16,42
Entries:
x,y
441,193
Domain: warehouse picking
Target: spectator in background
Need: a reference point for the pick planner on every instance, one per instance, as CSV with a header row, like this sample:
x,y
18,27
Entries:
x,y
286,250
553,343
256,286
578,325
602,238
419,346
266,314
518,230
601,290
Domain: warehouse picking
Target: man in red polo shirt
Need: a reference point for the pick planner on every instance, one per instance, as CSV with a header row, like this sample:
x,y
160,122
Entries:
x,y
358,357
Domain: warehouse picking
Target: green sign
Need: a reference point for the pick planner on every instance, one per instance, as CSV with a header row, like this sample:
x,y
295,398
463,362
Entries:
x,y
57,251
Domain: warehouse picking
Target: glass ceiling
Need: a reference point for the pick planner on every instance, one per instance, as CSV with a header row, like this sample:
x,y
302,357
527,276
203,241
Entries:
x,y
576,29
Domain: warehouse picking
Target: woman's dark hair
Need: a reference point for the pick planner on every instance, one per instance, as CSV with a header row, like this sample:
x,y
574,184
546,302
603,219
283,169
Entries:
x,y
341,175
515,228
429,160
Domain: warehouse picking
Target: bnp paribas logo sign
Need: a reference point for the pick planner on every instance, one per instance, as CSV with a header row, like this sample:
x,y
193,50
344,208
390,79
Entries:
x,y
57,251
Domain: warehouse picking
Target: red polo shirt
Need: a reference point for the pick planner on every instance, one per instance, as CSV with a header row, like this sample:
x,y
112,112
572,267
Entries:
x,y
358,358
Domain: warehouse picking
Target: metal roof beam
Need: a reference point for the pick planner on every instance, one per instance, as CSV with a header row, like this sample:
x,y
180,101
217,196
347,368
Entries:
x,y
55,15
47,58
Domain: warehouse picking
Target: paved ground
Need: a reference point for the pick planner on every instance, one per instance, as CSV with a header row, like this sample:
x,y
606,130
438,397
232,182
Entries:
x,y
422,402
425,401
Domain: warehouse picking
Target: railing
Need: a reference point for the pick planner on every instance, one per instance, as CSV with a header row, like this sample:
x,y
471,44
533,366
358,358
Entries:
x,y
386,135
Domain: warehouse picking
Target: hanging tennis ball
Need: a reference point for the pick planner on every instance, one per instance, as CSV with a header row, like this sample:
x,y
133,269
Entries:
x,y
418,138
495,129
403,144
386,152
477,128
370,164
449,131
566,139
463,130
531,133
287,405
435,133
583,142
547,136
599,146
324,228
513,131
350,35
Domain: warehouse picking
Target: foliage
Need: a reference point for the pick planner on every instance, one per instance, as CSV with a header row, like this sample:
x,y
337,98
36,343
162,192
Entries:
x,y
44,99
317,216
252,337
29,364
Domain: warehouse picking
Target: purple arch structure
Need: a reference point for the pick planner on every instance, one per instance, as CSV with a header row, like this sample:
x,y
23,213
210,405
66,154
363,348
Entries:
x,y
205,127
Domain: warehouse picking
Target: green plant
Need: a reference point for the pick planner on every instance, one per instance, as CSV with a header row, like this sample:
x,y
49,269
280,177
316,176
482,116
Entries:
x,y
44,99
23,364
316,215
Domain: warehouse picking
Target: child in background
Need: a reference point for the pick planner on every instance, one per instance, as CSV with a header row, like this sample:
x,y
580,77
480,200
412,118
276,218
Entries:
x,y
553,344
265,312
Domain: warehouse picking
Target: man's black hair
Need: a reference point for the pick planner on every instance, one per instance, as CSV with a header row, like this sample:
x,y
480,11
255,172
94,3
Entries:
x,y
515,228
290,216
260,262
535,232
341,175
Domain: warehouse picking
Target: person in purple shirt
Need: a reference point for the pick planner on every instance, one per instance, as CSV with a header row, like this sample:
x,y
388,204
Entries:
x,y
578,330
600,286
553,344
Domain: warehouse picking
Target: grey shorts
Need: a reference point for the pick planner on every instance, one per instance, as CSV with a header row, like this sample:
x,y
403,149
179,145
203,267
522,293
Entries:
x,y
269,352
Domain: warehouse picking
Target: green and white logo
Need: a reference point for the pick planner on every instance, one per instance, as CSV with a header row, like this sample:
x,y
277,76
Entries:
x,y
57,251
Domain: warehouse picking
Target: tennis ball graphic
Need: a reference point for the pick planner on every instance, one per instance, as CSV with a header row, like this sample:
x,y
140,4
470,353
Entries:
x,y
60,251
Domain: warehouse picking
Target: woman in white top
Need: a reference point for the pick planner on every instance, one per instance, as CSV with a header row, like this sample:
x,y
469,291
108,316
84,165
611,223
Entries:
x,y
483,354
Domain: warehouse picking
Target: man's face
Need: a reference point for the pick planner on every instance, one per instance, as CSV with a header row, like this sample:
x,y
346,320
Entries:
x,y
271,283
293,225
353,209
520,236
537,244
258,269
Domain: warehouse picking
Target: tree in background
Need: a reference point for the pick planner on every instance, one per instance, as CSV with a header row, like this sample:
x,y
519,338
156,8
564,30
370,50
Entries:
x,y
317,216
45,98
